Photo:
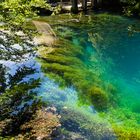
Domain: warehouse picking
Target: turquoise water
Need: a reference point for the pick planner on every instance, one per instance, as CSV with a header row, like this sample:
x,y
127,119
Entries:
x,y
111,47
97,52
114,42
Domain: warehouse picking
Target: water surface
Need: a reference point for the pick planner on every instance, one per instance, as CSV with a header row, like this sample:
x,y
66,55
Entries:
x,y
92,76
109,61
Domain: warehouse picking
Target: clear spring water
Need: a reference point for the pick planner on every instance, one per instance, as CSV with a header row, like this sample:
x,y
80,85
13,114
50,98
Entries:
x,y
112,51
115,42
111,41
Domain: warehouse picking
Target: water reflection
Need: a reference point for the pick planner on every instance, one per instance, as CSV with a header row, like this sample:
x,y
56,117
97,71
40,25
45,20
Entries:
x,y
20,75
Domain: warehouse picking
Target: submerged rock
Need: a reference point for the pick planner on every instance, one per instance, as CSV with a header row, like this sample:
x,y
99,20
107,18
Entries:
x,y
43,124
77,125
47,36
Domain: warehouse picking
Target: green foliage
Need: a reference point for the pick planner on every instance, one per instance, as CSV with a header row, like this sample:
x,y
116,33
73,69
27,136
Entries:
x,y
15,12
15,16
132,8
17,105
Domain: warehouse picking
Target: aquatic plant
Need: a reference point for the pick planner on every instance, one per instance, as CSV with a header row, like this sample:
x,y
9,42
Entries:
x,y
77,61
98,97
67,61
136,107
86,125
125,123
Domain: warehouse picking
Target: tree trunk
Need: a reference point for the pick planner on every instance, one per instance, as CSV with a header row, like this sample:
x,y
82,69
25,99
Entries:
x,y
74,7
94,4
84,5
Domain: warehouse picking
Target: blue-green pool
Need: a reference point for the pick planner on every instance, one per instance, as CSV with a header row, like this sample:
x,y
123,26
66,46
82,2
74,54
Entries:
x,y
103,56
91,75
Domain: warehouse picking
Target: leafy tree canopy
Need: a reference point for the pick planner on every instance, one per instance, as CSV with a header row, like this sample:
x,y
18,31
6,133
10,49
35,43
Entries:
x,y
16,12
133,7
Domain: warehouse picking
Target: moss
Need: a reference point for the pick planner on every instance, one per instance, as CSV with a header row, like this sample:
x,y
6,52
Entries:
x,y
61,59
98,97
126,134
113,94
57,68
65,47
57,78
66,62
90,126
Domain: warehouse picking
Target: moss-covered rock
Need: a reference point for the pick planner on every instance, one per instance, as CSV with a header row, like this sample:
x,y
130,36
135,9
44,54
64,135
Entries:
x,y
98,97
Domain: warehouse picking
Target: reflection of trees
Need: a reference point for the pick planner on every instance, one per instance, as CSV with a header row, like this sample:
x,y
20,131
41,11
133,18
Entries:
x,y
20,74
132,29
18,101
2,79
14,47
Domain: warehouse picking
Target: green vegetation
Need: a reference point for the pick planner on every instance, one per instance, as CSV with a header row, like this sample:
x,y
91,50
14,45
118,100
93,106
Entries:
x,y
69,65
18,100
15,12
98,97
132,8
125,123
66,62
